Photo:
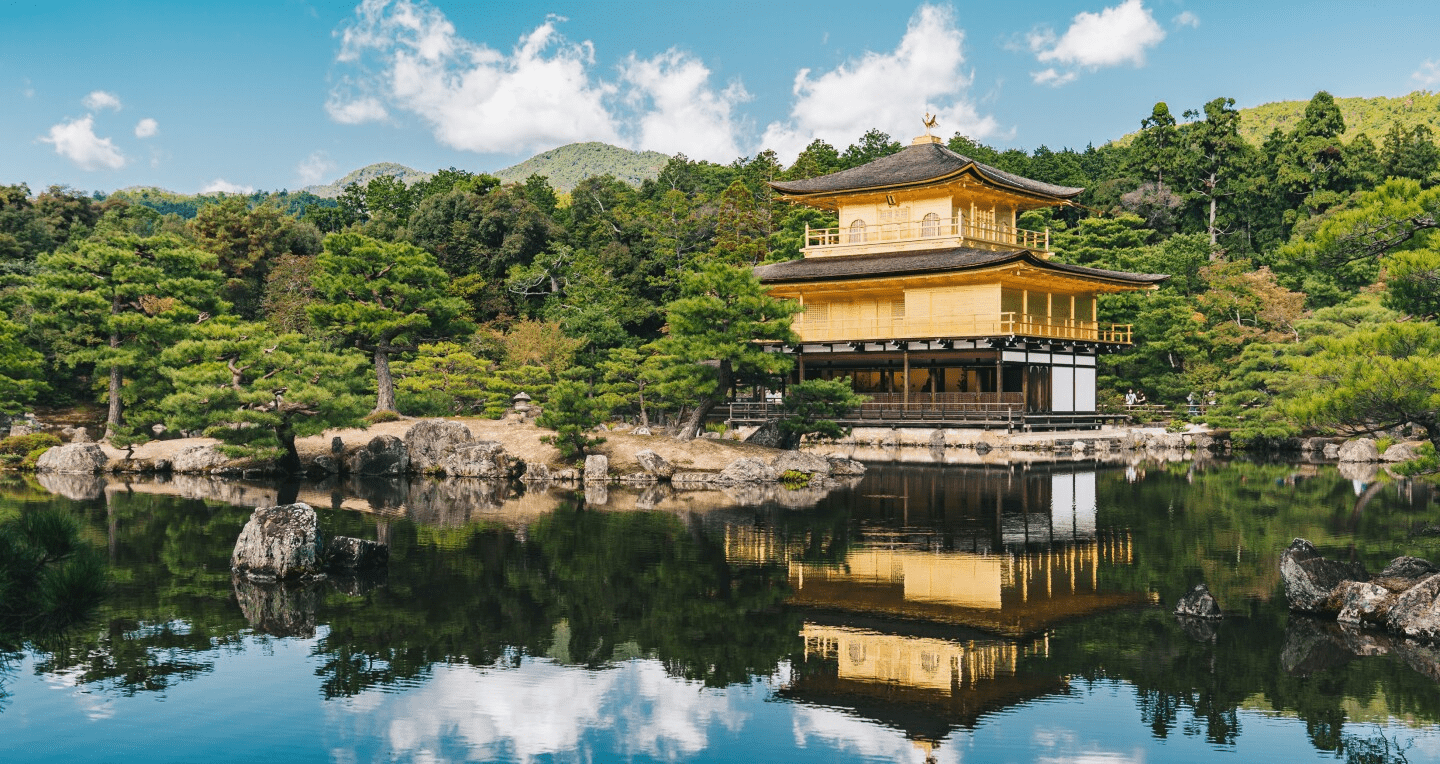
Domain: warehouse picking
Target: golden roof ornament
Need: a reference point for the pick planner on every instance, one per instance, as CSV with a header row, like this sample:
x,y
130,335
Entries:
x,y
929,121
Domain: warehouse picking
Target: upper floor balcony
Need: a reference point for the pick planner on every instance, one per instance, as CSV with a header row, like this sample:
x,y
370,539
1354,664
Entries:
x,y
813,328
930,232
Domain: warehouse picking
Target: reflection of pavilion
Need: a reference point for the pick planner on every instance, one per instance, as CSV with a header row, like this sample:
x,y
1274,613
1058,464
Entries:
x,y
938,612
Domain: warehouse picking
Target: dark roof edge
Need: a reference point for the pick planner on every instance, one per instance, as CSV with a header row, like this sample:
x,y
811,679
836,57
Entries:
x,y
1019,255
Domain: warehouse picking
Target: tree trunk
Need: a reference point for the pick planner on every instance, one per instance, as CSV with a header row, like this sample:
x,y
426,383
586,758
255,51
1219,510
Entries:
x,y
385,396
290,462
112,420
724,379
1212,216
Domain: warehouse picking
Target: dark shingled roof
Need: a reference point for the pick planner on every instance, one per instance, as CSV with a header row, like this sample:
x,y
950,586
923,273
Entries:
x,y
930,261
916,164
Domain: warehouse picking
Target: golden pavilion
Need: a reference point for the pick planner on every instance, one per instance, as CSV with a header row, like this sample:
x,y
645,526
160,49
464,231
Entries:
x,y
936,305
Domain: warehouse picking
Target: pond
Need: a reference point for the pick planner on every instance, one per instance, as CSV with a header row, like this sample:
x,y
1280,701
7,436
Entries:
x,y
926,613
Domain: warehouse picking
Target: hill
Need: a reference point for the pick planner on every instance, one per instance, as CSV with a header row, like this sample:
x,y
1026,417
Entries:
x,y
568,165
365,174
1371,116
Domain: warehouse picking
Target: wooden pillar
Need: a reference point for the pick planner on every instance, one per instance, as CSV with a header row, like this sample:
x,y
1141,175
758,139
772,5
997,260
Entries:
x,y
801,359
934,383
905,397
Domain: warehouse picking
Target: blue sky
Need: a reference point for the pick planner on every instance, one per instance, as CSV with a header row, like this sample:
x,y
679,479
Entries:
x,y
275,94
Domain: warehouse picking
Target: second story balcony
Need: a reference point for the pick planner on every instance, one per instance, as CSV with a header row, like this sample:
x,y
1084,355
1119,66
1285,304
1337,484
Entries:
x,y
930,232
811,328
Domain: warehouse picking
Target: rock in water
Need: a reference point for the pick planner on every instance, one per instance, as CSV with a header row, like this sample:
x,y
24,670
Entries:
x,y
383,455
748,471
597,468
1309,578
843,467
279,543
654,464
1199,603
430,440
799,461
1359,450
1416,613
479,459
75,458
1361,602
345,553
1400,452
198,460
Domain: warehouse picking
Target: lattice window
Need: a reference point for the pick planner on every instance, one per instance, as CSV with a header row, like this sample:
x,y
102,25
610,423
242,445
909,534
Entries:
x,y
897,309
894,214
817,313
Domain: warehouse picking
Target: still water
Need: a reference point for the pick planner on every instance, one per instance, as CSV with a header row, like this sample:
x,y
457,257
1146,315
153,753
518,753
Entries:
x,y
927,613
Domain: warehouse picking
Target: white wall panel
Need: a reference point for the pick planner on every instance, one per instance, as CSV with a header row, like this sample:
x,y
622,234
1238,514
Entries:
x,y
1084,389
1062,389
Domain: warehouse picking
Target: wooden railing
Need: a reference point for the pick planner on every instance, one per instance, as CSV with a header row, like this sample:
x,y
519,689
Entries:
x,y
945,327
933,228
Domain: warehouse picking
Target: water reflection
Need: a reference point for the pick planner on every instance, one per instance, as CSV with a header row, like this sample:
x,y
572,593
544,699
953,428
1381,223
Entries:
x,y
907,617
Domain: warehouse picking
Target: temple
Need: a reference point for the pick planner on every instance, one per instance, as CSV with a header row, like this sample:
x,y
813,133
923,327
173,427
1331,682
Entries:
x,y
934,303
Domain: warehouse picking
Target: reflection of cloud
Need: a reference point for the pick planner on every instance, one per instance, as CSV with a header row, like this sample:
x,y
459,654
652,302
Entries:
x,y
544,709
94,705
867,739
1060,748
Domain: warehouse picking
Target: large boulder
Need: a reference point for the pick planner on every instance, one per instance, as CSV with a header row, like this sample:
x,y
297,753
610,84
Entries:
x,y
75,458
428,442
1400,452
1331,451
597,468
799,461
654,464
1309,578
478,459
748,470
1361,602
198,460
767,435
1358,450
1416,612
1199,603
1404,572
346,553
383,455
279,543
843,467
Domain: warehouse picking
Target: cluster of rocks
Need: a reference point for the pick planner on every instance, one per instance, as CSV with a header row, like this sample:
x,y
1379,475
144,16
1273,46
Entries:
x,y
1404,598
283,543
818,471
1358,450
987,441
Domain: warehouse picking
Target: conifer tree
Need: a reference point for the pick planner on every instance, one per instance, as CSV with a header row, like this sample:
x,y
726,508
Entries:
x,y
115,301
382,298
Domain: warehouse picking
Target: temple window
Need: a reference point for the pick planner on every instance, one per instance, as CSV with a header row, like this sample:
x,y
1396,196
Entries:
x,y
857,232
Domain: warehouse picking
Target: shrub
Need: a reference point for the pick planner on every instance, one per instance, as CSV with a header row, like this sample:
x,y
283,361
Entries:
x,y
794,480
1424,463
376,417
20,445
572,413
1381,444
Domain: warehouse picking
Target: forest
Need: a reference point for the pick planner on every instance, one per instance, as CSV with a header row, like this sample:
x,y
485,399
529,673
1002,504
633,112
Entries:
x,y
1304,290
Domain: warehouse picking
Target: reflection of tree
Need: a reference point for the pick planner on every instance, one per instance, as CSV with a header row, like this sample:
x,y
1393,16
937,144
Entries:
x,y
614,581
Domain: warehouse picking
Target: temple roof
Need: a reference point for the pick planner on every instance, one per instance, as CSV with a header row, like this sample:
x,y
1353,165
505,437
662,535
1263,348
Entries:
x,y
932,261
922,163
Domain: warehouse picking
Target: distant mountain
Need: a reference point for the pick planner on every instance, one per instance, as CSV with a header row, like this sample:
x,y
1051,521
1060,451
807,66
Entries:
x,y
568,165
1371,116
366,174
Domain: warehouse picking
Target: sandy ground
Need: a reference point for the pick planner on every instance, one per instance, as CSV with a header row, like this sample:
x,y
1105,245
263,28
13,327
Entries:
x,y
521,440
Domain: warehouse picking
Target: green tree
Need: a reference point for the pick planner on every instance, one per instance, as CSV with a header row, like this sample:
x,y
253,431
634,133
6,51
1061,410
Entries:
x,y
115,301
722,312
1411,153
257,391
248,243
1156,147
739,230
1215,157
1375,379
449,375
20,369
382,298
572,411
811,408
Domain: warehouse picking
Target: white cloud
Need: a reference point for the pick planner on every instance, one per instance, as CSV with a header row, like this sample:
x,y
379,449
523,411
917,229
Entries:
x,y
99,99
314,168
889,91
1114,36
355,111
684,114
1429,73
146,128
222,186
76,140
474,97
1187,19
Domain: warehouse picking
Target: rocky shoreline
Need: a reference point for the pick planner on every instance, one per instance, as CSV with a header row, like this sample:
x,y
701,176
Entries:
x,y
1403,599
447,448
